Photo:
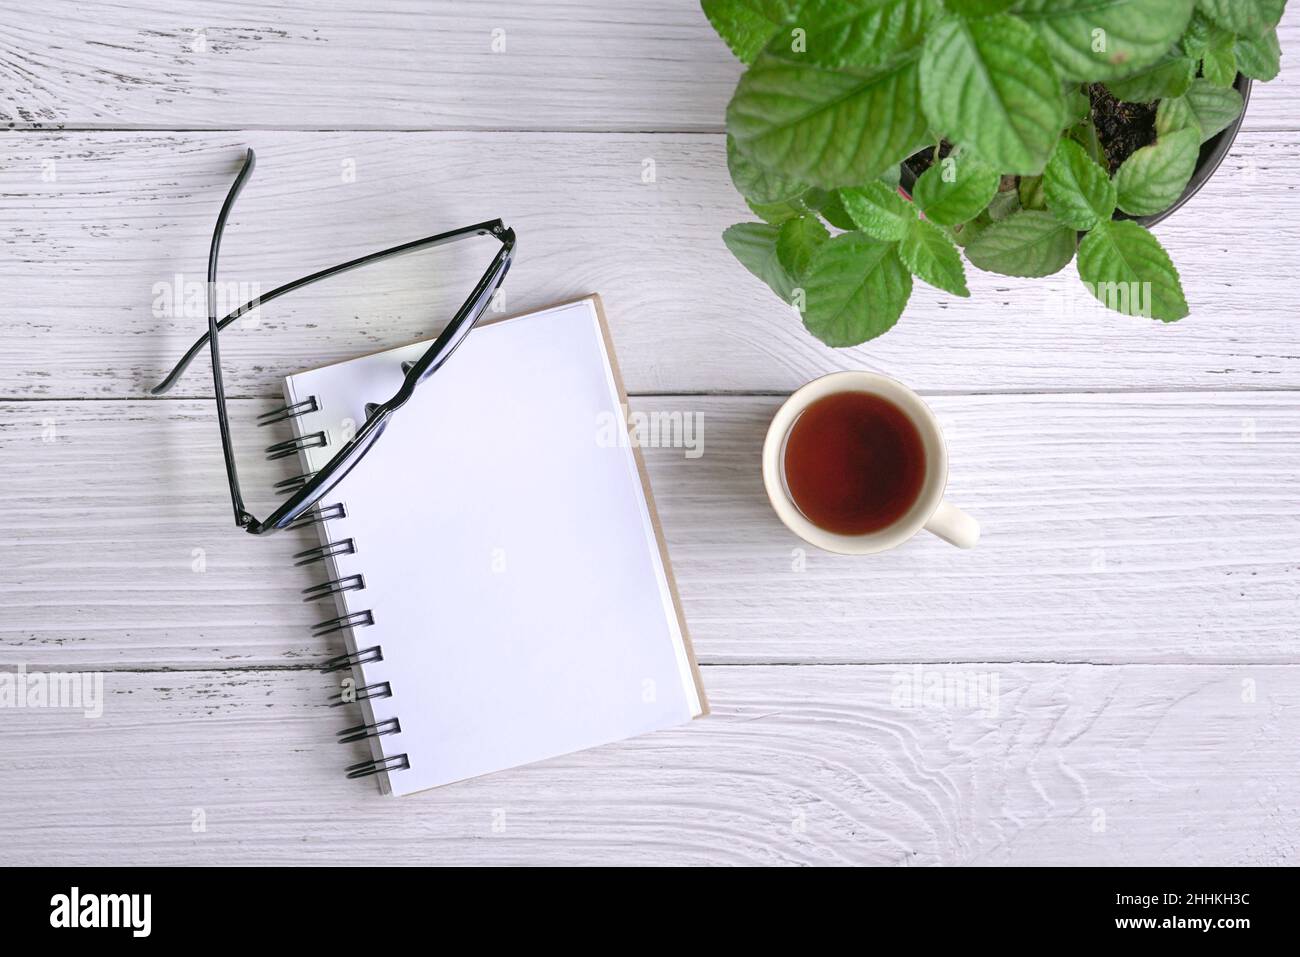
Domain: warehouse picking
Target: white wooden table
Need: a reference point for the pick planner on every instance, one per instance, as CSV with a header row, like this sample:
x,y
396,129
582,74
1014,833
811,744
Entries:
x,y
1136,595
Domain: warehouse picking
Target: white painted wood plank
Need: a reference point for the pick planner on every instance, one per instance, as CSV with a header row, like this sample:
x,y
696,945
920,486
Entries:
x,y
85,256
1117,528
599,64
410,64
1075,764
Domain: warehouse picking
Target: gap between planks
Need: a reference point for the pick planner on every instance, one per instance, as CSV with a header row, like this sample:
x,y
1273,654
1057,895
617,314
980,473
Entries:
x,y
544,130
744,394
722,663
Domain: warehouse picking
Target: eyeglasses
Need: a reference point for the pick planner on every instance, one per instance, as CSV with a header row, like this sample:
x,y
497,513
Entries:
x,y
319,484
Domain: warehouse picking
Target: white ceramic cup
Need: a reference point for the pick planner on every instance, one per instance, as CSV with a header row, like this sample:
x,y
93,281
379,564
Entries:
x,y
930,511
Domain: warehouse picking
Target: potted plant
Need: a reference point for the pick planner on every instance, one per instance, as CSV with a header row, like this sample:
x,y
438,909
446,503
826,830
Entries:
x,y
874,138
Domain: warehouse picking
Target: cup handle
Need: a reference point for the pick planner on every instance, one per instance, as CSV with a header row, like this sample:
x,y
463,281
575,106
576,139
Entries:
x,y
954,526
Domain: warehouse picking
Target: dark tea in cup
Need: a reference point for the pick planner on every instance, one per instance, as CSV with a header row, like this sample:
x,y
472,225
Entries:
x,y
854,463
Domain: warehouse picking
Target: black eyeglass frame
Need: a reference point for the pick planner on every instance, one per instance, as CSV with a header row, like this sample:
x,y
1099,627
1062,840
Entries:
x,y
378,415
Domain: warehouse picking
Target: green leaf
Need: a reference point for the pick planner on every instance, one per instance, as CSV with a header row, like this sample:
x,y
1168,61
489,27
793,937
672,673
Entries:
x,y
932,257
829,128
1216,108
757,184
864,32
1005,203
1079,191
1246,18
1126,269
990,85
965,233
1196,38
1031,192
955,189
1259,58
831,208
1176,114
1219,62
777,213
1153,178
747,25
1027,243
796,243
974,9
1106,39
754,244
1085,134
878,211
856,290
1165,78
1078,106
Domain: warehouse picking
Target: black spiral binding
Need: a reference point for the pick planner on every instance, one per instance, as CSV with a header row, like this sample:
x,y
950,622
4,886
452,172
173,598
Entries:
x,y
291,485
282,450
335,587
360,619
380,689
363,657
289,411
363,731
322,513
309,556
397,762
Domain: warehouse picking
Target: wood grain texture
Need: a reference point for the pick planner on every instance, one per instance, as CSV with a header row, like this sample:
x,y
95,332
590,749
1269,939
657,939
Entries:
x,y
1065,764
409,64
1117,528
1136,595
391,64
99,255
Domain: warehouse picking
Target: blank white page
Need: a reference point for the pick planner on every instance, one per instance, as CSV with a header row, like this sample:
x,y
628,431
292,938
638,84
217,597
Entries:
x,y
509,556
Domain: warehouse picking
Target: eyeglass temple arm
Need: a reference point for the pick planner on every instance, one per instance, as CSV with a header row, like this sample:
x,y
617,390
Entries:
x,y
493,227
242,516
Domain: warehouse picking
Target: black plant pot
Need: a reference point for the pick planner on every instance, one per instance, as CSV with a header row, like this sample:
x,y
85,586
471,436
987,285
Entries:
x,y
1213,152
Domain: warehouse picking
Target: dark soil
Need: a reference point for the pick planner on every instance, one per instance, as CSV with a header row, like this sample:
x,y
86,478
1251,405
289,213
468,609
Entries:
x,y
918,163
1123,128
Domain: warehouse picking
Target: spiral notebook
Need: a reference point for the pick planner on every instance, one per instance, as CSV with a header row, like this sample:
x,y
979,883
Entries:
x,y
499,571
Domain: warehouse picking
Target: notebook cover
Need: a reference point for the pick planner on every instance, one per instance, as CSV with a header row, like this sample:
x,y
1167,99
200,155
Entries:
x,y
670,580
